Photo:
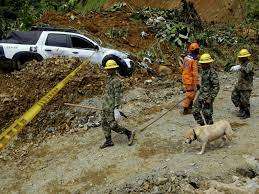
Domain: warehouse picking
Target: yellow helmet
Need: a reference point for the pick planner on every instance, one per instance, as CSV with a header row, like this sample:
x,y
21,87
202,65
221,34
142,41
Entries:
x,y
244,53
111,64
206,58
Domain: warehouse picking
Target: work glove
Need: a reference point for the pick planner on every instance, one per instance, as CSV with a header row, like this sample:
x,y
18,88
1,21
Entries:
x,y
117,114
235,68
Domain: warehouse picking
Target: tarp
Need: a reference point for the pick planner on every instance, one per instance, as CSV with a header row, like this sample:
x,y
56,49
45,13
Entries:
x,y
23,37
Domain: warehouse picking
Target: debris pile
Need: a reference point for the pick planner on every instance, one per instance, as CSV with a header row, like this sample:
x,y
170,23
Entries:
x,y
21,89
172,25
180,182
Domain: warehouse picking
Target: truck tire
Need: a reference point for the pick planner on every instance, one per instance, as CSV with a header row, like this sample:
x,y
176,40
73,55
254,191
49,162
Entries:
x,y
21,59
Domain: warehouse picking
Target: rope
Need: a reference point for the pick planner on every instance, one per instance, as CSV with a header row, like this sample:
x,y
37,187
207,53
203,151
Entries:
x,y
144,128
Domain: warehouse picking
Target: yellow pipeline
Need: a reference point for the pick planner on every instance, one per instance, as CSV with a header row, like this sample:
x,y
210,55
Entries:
x,y
20,123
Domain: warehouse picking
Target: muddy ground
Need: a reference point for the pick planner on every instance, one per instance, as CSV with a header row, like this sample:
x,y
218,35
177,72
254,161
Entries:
x,y
159,162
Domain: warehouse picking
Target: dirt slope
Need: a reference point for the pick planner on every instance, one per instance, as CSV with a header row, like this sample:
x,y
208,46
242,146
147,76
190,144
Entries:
x,y
73,163
209,10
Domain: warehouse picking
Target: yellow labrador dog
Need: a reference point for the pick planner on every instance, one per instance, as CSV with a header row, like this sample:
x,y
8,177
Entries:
x,y
209,133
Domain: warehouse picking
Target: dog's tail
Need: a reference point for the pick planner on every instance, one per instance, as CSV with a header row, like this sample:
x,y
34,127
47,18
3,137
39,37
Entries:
x,y
229,132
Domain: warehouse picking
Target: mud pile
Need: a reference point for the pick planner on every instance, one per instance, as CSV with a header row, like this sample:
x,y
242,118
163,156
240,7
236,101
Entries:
x,y
102,26
21,89
209,10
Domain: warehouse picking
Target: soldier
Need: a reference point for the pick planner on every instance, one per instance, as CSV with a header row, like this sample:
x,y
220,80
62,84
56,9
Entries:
x,y
208,91
190,76
243,89
111,104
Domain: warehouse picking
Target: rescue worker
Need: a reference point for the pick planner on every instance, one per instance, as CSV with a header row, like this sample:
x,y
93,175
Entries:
x,y
203,104
243,89
111,104
190,76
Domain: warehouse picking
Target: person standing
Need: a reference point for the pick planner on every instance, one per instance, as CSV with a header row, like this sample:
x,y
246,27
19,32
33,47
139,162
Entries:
x,y
203,104
243,89
190,76
111,104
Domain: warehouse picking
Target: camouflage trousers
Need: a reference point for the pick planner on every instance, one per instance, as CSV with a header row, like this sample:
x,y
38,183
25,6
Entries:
x,y
241,98
110,124
202,109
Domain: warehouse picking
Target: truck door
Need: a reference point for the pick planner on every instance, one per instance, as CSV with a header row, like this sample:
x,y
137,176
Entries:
x,y
56,45
83,48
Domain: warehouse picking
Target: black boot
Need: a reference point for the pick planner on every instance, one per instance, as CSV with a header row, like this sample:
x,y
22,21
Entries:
x,y
246,114
130,136
209,120
107,143
187,111
201,123
198,118
241,112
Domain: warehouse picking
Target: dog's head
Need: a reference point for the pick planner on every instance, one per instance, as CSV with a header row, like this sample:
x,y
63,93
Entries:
x,y
190,136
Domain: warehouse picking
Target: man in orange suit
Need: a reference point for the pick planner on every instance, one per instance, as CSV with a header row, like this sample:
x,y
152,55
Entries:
x,y
190,77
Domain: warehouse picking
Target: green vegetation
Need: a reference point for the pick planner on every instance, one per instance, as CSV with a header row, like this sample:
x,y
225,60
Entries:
x,y
117,33
92,5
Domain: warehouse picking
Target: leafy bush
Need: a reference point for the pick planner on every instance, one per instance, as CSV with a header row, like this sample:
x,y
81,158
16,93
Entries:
x,y
92,5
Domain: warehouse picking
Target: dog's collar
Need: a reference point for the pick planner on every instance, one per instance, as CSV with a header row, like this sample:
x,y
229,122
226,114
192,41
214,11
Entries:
x,y
195,135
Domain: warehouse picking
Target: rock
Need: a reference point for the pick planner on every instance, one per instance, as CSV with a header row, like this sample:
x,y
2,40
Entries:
x,y
161,180
212,191
253,162
246,172
252,184
229,188
51,129
80,125
164,70
148,81
156,190
145,186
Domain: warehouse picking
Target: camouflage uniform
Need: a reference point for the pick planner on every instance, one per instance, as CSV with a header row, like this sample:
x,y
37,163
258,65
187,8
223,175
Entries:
x,y
243,89
208,92
112,100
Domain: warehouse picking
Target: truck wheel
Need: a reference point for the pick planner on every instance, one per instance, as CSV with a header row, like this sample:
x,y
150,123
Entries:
x,y
19,65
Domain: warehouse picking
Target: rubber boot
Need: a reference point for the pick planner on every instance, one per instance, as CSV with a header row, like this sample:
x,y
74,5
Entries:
x,y
107,143
187,111
246,114
130,136
198,118
241,112
209,120
201,123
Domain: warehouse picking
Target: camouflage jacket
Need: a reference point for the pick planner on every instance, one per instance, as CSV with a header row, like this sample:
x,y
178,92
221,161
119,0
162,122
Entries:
x,y
209,84
113,93
246,75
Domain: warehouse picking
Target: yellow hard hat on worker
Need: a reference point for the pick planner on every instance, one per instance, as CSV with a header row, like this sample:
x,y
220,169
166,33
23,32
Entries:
x,y
243,53
206,58
111,64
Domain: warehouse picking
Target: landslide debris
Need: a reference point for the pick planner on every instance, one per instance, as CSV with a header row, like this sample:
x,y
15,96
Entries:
x,y
21,89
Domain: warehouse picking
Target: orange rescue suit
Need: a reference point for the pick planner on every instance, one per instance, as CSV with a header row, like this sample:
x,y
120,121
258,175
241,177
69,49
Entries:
x,y
190,78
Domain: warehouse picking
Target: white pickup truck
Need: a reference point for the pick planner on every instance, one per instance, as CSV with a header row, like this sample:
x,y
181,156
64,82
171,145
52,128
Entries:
x,y
21,47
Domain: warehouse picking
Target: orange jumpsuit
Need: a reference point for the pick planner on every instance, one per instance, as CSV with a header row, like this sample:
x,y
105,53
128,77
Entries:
x,y
190,77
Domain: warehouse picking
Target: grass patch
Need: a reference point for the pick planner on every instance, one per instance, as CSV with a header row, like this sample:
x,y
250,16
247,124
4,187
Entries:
x,y
91,5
